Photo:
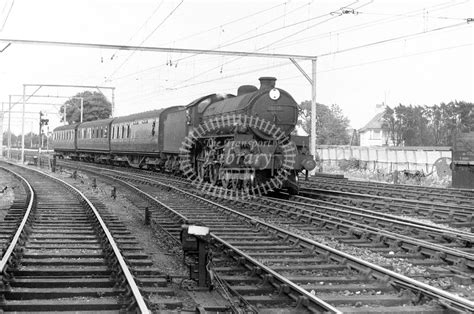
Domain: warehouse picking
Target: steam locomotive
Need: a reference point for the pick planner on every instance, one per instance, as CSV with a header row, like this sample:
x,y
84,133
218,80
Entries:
x,y
233,141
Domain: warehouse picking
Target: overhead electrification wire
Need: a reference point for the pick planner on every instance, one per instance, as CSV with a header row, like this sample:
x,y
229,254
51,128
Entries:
x,y
229,43
141,27
367,45
333,69
238,58
232,22
289,36
261,48
358,47
433,8
146,38
397,57
392,39
340,31
413,16
4,7
8,14
221,46
357,27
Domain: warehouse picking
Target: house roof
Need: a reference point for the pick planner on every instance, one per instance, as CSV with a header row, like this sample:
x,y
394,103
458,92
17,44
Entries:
x,y
374,124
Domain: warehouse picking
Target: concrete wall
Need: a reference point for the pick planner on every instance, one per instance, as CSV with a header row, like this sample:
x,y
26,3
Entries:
x,y
386,158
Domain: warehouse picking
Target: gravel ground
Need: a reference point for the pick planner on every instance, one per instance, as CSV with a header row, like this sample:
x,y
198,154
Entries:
x,y
151,240
400,265
166,259
164,256
434,224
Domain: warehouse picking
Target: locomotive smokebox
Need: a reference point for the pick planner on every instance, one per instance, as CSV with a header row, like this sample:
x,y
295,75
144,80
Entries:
x,y
267,82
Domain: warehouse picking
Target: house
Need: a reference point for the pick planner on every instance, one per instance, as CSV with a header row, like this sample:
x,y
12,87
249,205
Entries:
x,y
372,134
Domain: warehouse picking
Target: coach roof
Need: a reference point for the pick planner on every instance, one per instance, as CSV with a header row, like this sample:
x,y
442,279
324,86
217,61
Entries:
x,y
89,124
66,127
141,115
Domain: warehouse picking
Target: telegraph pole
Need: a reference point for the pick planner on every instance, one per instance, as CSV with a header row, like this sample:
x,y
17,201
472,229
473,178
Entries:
x,y
39,134
313,109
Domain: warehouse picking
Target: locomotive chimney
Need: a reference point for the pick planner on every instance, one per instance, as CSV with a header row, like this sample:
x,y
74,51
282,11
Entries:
x,y
267,82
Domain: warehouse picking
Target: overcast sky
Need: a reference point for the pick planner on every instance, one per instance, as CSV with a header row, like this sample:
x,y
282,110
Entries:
x,y
429,60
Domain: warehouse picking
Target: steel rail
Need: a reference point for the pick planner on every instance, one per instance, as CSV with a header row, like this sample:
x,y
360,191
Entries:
x,y
383,189
306,213
433,292
13,243
295,287
406,281
123,265
381,216
379,183
466,209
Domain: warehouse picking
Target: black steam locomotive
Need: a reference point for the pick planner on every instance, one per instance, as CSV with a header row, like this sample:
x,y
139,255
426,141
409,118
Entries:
x,y
233,141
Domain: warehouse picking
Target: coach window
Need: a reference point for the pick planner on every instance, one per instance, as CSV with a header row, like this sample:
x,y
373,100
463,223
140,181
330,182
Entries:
x,y
105,132
128,131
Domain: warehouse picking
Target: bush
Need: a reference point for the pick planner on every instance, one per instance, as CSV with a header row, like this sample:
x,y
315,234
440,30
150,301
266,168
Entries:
x,y
352,163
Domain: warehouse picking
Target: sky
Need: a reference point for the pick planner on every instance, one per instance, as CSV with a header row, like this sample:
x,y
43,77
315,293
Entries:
x,y
415,52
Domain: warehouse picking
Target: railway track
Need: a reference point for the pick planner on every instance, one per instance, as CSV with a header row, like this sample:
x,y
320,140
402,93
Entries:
x,y
457,216
453,196
62,256
444,252
345,282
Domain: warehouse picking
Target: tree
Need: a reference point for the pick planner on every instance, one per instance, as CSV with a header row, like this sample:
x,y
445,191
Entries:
x,y
96,107
429,125
331,124
5,138
389,126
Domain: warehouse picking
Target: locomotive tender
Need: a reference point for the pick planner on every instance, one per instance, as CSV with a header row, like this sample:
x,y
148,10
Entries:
x,y
232,155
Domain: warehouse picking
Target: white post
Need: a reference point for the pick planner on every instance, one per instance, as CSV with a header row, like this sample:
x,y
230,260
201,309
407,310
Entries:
x,y
23,127
313,110
113,103
64,114
82,108
9,155
1,133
